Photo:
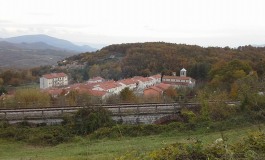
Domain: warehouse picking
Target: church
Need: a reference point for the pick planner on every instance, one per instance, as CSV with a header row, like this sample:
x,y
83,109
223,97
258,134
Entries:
x,y
179,81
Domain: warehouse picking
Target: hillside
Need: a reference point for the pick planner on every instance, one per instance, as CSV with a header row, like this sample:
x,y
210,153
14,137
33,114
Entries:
x,y
27,55
36,50
52,41
127,60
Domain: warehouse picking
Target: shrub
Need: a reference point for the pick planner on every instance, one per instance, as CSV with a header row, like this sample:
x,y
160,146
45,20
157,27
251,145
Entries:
x,y
89,119
31,98
47,135
252,147
180,151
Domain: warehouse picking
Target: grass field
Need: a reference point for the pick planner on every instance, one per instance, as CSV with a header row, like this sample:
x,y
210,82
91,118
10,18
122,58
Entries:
x,y
104,149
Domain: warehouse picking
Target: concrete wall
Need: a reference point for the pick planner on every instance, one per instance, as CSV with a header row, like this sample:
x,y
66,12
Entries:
x,y
138,119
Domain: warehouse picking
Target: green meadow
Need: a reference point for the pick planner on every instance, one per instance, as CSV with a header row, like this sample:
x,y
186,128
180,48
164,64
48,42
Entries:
x,y
86,148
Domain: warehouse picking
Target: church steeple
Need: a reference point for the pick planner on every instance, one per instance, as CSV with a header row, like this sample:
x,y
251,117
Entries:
x,y
183,72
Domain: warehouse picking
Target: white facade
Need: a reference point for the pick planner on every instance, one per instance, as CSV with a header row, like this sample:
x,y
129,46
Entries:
x,y
53,80
130,86
180,81
96,80
156,79
183,72
145,84
111,88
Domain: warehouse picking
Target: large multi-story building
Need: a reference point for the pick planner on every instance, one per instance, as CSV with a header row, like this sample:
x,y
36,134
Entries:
x,y
53,80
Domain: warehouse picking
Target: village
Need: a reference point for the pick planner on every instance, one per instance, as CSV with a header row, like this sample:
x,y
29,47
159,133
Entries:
x,y
153,86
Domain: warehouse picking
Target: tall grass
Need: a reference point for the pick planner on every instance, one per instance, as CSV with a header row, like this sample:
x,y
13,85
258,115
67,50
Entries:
x,y
109,148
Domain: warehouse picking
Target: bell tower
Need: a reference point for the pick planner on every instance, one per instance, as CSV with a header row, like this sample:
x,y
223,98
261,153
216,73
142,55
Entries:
x,y
183,72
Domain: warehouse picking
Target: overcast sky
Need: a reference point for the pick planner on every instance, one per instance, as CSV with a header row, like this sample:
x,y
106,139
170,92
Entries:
x,y
202,22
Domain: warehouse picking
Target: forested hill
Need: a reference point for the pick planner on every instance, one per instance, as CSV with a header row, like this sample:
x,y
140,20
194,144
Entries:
x,y
127,60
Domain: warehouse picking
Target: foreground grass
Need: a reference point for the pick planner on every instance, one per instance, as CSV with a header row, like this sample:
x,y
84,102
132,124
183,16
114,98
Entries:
x,y
104,149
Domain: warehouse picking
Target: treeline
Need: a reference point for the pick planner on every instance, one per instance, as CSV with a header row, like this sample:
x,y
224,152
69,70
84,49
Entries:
x,y
17,77
145,59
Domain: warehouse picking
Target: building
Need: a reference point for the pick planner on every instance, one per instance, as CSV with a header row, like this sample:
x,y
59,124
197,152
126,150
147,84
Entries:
x,y
156,78
96,80
179,81
143,82
53,80
111,87
129,82
156,90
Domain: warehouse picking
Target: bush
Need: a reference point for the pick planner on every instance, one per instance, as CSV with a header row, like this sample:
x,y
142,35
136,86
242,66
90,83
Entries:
x,y
47,135
252,147
87,120
32,98
180,151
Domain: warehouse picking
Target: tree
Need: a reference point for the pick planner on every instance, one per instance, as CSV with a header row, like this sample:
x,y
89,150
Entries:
x,y
126,95
234,90
248,88
171,93
71,97
32,98
1,81
260,68
2,90
94,71
199,71
224,74
87,120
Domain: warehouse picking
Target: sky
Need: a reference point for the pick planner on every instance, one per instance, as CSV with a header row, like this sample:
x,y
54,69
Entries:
x,y
202,22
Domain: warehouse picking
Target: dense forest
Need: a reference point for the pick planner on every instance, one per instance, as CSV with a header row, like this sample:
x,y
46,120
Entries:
x,y
145,59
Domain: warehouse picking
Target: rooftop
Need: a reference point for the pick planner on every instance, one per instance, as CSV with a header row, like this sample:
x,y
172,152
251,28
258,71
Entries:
x,y
127,81
108,85
142,79
54,75
176,77
96,79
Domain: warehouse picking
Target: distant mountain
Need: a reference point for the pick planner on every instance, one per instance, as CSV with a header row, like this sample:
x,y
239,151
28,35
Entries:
x,y
55,42
27,55
98,46
30,46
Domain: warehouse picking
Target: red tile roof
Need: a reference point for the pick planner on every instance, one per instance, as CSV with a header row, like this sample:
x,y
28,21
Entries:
x,y
176,77
108,85
142,79
127,81
97,93
79,87
178,83
54,75
163,86
156,89
153,91
84,88
160,87
156,76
